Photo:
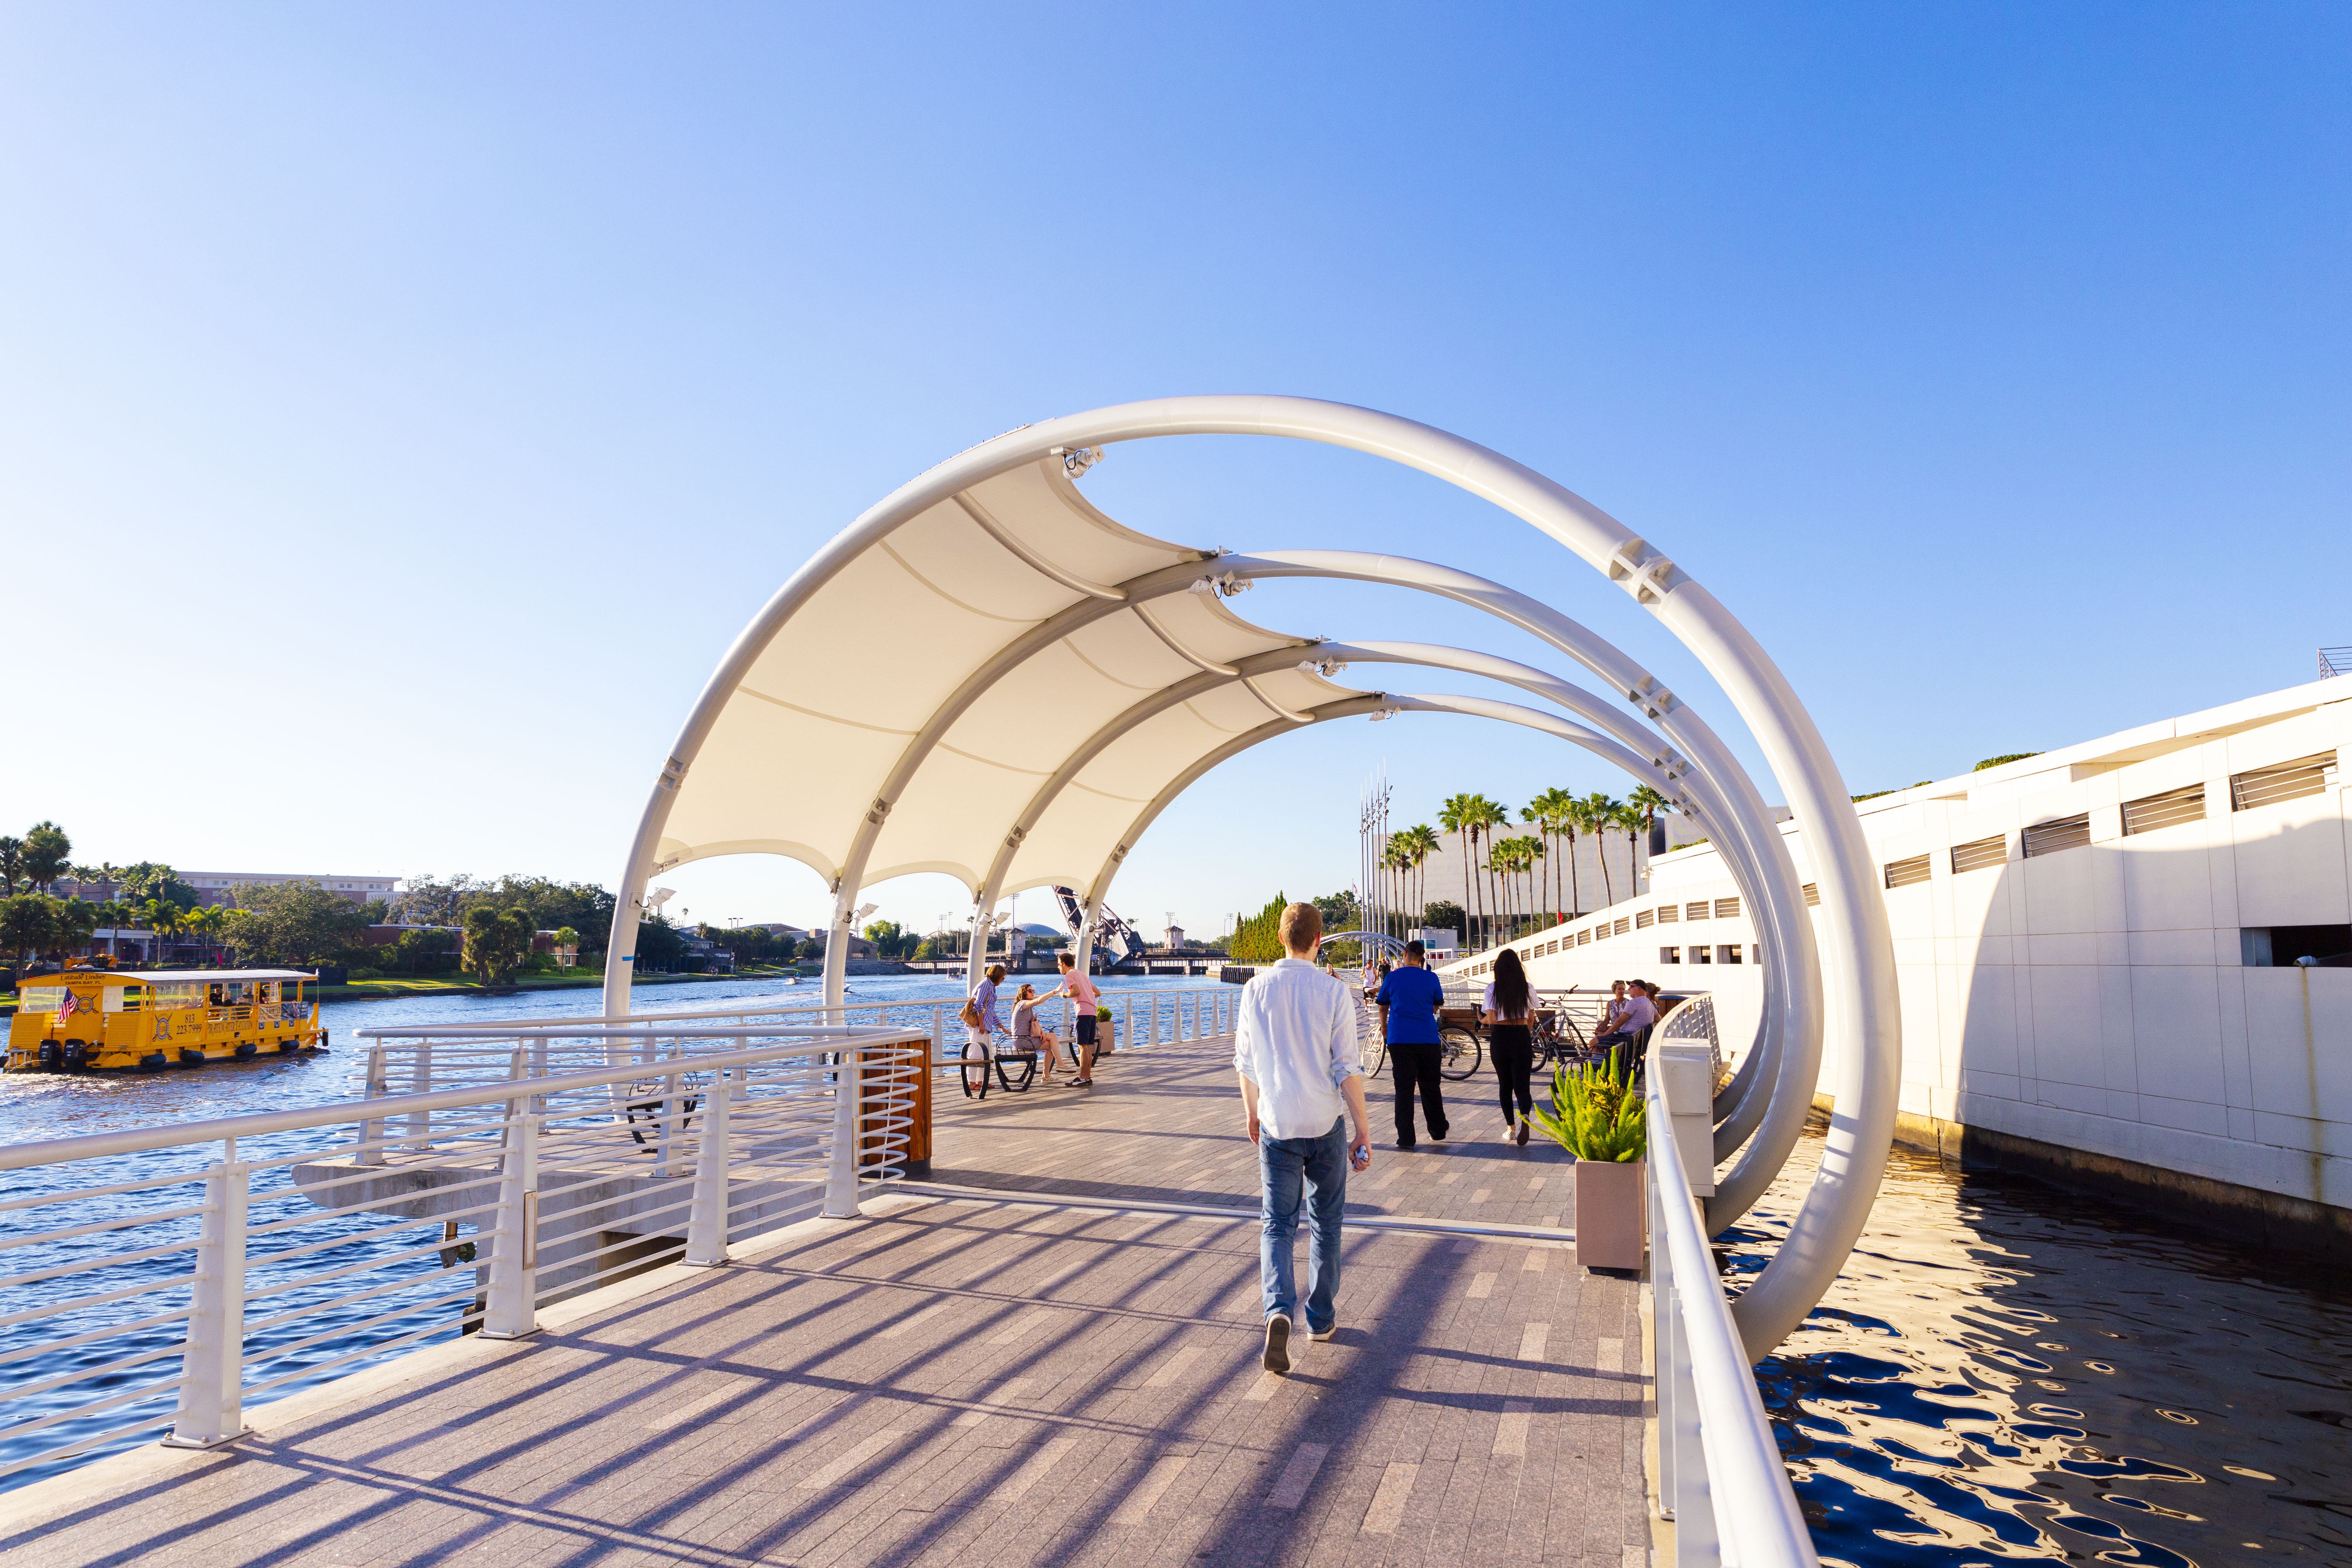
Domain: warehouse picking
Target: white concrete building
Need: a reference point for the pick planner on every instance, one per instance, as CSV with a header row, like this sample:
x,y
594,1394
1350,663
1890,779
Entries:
x,y
215,887
2098,953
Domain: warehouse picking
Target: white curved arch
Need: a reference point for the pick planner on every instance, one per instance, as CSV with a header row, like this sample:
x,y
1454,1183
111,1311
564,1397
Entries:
x,y
1861,987
1782,1075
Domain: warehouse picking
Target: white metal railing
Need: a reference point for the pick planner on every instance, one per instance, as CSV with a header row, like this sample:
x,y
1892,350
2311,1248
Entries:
x,y
1721,1475
414,1060
203,1264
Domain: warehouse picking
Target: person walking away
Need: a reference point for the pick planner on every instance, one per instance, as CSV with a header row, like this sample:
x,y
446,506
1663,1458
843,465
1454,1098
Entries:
x,y
1409,1000
982,1026
1295,1053
1084,996
1028,1035
1510,1008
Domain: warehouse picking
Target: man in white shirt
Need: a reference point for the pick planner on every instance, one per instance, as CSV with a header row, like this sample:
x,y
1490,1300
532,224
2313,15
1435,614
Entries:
x,y
1295,1047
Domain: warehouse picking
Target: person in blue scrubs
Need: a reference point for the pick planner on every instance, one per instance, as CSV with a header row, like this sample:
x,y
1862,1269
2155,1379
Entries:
x,y
1409,1000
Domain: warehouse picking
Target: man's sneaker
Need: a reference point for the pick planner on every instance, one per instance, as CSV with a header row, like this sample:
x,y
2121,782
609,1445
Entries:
x,y
1405,1144
1277,1343
1330,1334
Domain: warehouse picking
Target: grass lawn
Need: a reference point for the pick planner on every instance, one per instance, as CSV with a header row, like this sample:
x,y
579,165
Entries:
x,y
465,985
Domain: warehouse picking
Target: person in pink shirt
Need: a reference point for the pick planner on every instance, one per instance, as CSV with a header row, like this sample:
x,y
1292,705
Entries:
x,y
1082,993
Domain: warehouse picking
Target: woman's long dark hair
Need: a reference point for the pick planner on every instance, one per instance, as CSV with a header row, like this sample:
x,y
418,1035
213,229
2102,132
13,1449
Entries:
x,y
1511,985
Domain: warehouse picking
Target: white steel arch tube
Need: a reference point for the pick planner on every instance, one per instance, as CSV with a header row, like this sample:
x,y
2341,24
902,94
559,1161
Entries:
x,y
1863,997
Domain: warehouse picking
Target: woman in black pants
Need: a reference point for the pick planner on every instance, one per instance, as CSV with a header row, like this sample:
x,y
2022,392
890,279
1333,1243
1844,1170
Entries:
x,y
1510,1006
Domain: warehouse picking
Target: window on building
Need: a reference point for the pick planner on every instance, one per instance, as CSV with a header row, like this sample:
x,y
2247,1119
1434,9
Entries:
x,y
1727,908
2170,809
1668,914
1701,953
1903,873
2066,833
2278,947
1621,927
1978,853
1695,911
1641,919
1728,952
1583,936
1670,955
2281,781
1812,894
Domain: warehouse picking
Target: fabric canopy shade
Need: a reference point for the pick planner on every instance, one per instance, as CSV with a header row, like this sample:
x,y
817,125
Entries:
x,y
955,667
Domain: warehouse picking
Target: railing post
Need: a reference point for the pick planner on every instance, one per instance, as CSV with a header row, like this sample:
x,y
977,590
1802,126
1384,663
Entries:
x,y
706,1225
512,1309
372,1130
1662,1342
841,1172
212,1369
420,1081
1695,1541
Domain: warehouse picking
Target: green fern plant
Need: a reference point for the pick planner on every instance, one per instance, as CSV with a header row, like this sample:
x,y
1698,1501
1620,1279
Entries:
x,y
1595,1114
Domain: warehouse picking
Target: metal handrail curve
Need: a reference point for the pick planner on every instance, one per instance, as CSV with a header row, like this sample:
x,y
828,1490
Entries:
x,y
1721,1478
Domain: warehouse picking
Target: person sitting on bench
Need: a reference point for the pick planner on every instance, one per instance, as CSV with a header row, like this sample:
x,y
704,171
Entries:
x,y
1028,1035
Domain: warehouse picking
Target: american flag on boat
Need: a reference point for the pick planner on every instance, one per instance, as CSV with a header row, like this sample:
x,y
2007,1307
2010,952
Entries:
x,y
65,1007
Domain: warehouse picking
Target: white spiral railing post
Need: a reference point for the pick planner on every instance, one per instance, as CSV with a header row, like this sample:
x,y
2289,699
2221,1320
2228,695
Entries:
x,y
211,1368
841,1172
706,1227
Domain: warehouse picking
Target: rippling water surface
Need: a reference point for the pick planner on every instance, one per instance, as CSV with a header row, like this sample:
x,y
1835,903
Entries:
x,y
2008,1370
121,1340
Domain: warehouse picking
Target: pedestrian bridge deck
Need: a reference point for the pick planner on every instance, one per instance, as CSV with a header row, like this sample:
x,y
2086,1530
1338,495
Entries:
x,y
976,1383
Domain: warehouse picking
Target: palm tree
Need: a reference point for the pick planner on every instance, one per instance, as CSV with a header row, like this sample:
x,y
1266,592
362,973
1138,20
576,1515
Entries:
x,y
162,917
1421,843
1545,812
1485,814
111,914
1648,803
1608,812
1454,814
12,864
204,920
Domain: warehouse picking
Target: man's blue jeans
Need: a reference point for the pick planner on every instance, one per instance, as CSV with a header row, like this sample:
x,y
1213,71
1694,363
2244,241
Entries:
x,y
1320,1165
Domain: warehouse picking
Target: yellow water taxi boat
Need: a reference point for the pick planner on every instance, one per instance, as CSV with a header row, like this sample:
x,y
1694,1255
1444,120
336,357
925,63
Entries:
x,y
108,1020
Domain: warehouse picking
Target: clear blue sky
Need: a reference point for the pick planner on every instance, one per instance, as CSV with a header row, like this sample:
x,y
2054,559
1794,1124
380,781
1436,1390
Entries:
x,y
402,407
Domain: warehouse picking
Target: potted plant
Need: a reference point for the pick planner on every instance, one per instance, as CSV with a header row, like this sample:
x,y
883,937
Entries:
x,y
1596,1116
1106,1031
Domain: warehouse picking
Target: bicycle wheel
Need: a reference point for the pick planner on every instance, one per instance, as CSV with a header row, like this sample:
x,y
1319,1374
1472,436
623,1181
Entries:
x,y
1377,1059
1458,1052
975,1070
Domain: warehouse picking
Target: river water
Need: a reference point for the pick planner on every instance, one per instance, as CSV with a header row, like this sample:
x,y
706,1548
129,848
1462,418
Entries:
x,y
130,1298
2007,1370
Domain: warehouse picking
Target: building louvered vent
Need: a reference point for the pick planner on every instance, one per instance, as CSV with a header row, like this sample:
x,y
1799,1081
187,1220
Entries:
x,y
1727,908
1903,873
2170,809
2286,781
1668,914
1621,927
1812,894
2066,833
1583,937
1641,919
1978,853
1696,911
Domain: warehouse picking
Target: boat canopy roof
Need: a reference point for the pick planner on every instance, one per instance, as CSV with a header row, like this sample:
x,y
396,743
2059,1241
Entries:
x,y
150,976
1049,674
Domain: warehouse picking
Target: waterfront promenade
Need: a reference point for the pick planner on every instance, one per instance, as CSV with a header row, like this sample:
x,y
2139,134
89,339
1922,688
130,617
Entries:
x,y
950,1381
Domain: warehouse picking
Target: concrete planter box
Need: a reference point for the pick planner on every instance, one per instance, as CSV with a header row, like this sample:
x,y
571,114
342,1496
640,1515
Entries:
x,y
1611,1213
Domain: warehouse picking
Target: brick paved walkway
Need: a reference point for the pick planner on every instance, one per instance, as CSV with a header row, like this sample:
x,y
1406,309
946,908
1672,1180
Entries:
x,y
977,1383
